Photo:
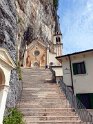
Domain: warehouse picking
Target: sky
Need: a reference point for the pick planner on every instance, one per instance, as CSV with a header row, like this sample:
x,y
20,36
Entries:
x,y
76,22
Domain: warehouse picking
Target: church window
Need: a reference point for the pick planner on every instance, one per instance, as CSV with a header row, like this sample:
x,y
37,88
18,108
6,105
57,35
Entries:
x,y
36,53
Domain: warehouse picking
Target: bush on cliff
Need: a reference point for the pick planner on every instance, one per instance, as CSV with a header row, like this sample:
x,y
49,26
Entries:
x,y
56,2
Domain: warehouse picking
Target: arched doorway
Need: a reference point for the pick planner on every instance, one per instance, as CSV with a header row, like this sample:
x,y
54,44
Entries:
x,y
36,64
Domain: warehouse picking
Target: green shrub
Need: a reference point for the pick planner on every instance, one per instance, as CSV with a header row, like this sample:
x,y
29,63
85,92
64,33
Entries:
x,y
19,71
14,118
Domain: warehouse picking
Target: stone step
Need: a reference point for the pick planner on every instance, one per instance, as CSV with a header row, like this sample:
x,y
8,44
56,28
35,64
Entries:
x,y
41,93
38,86
34,79
44,97
30,102
37,69
41,85
34,83
54,113
41,90
37,78
47,118
42,105
54,122
64,109
52,90
37,73
43,102
41,72
47,91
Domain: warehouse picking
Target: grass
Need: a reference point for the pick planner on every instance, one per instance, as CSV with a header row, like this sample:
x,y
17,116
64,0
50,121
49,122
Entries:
x,y
15,117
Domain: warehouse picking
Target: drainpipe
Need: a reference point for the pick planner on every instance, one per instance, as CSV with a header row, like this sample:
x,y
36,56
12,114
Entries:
x,y
71,73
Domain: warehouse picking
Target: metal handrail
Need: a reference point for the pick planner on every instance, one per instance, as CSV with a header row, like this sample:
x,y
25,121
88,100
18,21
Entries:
x,y
75,103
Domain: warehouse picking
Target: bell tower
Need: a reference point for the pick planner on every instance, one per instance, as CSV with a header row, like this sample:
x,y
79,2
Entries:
x,y
58,38
58,44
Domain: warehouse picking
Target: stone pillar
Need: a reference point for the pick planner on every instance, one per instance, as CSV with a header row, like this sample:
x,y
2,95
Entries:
x,y
25,56
48,56
18,52
3,97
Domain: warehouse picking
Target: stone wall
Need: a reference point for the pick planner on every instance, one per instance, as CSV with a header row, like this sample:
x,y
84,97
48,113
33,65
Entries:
x,y
8,30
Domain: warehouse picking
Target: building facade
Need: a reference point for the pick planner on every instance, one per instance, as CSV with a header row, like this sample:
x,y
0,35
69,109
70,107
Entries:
x,y
78,75
41,54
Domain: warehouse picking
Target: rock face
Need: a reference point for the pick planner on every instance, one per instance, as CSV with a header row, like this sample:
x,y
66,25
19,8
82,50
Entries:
x,y
8,26
36,19
8,33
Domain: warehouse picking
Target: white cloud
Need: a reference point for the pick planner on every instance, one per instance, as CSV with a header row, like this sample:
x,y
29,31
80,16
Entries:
x,y
90,5
77,25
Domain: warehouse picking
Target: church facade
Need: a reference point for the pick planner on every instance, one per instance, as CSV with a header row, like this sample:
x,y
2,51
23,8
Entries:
x,y
40,54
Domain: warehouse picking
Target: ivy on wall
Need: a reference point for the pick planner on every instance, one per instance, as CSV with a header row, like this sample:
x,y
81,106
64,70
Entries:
x,y
56,2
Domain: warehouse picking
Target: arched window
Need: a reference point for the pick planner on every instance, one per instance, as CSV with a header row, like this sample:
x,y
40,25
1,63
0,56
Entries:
x,y
57,39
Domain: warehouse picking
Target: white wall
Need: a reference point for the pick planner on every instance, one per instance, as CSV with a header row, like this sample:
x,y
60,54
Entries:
x,y
1,94
66,72
83,83
58,71
52,58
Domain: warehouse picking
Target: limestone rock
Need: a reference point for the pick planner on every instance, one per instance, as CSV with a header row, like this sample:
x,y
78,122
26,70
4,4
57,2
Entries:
x,y
8,33
36,19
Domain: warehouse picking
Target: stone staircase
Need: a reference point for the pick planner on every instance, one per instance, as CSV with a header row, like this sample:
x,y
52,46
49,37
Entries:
x,y
42,102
